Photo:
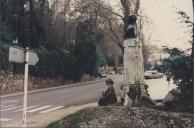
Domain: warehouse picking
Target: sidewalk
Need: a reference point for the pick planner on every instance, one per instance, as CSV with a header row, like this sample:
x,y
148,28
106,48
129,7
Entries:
x,y
36,121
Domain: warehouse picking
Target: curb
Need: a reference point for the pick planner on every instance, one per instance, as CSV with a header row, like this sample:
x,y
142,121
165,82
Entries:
x,y
52,88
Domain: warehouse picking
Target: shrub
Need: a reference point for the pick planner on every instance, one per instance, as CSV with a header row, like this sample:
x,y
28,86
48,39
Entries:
x,y
180,66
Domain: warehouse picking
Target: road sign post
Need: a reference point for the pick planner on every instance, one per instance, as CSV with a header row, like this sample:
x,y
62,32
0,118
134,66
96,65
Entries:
x,y
28,57
25,85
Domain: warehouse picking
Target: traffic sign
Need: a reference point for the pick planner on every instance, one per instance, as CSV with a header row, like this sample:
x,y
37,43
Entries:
x,y
33,58
17,55
21,55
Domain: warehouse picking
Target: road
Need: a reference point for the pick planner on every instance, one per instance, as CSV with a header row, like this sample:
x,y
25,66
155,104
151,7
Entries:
x,y
51,103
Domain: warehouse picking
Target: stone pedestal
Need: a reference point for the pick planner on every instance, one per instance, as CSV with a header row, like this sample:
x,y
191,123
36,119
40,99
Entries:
x,y
133,62
133,66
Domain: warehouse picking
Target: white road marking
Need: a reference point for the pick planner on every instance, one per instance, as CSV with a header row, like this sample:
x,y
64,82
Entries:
x,y
9,101
52,109
7,109
38,109
4,119
30,107
6,106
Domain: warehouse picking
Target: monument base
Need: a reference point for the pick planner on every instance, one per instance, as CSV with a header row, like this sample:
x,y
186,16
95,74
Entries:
x,y
137,96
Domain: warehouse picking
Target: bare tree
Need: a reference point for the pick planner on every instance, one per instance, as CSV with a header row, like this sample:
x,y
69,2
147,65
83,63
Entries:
x,y
113,24
107,18
144,24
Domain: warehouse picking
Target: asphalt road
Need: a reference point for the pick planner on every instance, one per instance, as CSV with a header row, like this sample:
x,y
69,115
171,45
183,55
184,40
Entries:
x,y
48,102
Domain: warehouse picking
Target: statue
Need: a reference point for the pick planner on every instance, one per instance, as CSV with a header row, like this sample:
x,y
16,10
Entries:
x,y
109,96
131,30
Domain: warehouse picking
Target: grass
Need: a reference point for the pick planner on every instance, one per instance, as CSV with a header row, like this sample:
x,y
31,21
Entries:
x,y
90,116
54,125
74,120
176,121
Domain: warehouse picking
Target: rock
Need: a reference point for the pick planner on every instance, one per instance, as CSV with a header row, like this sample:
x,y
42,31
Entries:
x,y
170,101
169,97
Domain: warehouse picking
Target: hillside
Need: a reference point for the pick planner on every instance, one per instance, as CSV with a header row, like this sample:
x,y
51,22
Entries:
x,y
124,117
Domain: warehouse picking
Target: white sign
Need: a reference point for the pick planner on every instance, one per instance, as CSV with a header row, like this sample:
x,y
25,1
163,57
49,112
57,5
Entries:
x,y
33,58
21,55
17,55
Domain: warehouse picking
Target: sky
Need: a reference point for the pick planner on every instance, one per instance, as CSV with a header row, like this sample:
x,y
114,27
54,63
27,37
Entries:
x,y
166,26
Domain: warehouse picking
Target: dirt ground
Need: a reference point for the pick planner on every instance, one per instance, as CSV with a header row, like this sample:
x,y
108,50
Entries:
x,y
124,117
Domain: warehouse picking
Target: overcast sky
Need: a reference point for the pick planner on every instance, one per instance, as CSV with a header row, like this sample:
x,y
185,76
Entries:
x,y
166,26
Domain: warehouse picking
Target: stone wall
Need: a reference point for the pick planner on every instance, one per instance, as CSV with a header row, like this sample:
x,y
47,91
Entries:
x,y
11,83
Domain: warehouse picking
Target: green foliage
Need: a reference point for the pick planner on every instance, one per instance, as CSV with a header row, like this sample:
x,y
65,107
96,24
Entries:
x,y
35,26
55,64
173,52
54,125
82,116
178,122
85,51
74,120
26,19
6,34
100,57
4,53
180,66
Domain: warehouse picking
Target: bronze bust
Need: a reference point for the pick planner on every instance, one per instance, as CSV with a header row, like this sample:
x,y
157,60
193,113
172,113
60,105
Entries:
x,y
131,30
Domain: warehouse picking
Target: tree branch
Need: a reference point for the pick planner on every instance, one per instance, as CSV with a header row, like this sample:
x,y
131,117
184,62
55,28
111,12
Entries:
x,y
115,35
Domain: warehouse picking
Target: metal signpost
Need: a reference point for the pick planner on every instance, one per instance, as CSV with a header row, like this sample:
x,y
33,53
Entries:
x,y
28,57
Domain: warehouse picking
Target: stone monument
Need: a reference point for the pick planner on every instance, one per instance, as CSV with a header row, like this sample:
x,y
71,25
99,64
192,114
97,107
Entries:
x,y
133,65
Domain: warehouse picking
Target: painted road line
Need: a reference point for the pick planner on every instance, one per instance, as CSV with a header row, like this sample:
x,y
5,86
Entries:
x,y
4,120
30,107
51,109
3,110
9,101
38,109
4,107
